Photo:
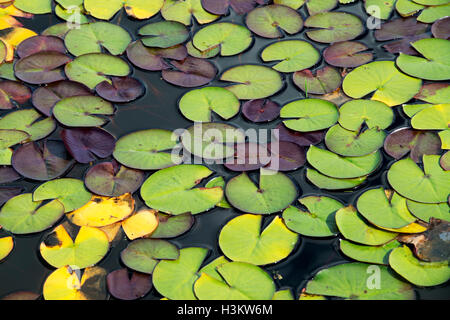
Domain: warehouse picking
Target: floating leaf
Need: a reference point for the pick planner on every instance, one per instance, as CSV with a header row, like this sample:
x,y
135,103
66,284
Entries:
x,y
44,161
253,82
381,77
85,144
268,21
437,93
261,110
242,239
303,139
218,182
58,30
8,174
9,138
349,281
122,287
121,89
286,156
310,115
139,9
6,246
65,284
147,150
153,59
22,215
29,121
248,156
172,226
441,28
318,6
426,211
41,67
162,187
7,193
239,6
358,113
284,294
194,52
35,7
163,34
334,27
12,37
318,221
103,211
59,249
418,272
183,11
198,105
380,9
21,295
369,254
95,37
430,186
347,54
274,192
325,80
428,14
324,182
433,118
191,72
141,224
37,44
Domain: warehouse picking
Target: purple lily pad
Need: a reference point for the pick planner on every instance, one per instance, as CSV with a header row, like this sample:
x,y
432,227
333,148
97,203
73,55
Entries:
x,y
8,174
154,59
220,7
37,44
191,72
441,28
121,286
261,110
112,180
45,98
248,156
122,89
403,141
12,92
7,193
303,139
84,144
42,161
338,97
286,156
324,81
42,67
347,54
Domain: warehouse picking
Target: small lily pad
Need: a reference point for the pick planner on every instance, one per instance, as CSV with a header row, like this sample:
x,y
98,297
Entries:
x,y
41,67
347,54
172,226
322,81
140,224
124,287
324,182
189,73
153,59
121,89
261,110
220,7
29,121
333,27
163,34
369,254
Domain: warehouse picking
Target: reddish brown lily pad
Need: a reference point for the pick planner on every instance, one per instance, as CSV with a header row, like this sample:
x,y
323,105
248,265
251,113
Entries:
x,y
286,156
347,54
21,295
261,110
191,72
323,81
303,139
37,44
8,174
248,156
85,144
121,89
220,7
434,92
7,193
441,28
42,67
13,93
124,287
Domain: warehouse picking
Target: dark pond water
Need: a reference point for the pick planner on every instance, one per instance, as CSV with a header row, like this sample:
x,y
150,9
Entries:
x,y
25,270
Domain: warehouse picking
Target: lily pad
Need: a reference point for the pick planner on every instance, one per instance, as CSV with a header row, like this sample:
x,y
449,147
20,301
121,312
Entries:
x,y
273,21
333,27
231,38
185,10
22,215
219,182
9,138
162,187
194,52
354,228
322,81
124,287
239,6
295,55
385,81
121,89
274,192
85,144
172,226
350,281
41,67
59,249
93,68
261,110
140,224
248,156
441,28
380,9
35,7
286,156
42,161
357,113
324,182
8,174
189,73
432,185
253,82
303,139
7,193
198,105
418,272
347,54
96,37
317,221
29,121
437,93
309,115
163,34
428,14
13,94
139,9
369,254
426,211
6,246
147,150
436,117
242,239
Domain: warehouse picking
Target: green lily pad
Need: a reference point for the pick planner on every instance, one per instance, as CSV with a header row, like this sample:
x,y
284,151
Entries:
x,y
253,82
59,249
171,190
429,186
384,208
175,279
426,211
352,280
163,34
22,215
198,105
139,9
436,93
29,121
9,138
274,192
428,14
322,81
35,6
219,182
374,114
354,228
434,66
268,21
335,166
172,226
241,281
70,192
324,182
333,27
93,68
147,150
67,14
318,6
283,295
411,109
184,10
436,117
418,272
383,9
295,55
144,254
317,221
310,115
194,52
242,239
93,37
231,38
445,139
369,254
381,77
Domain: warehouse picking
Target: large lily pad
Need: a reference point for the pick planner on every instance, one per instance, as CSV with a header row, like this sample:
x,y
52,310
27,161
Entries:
x,y
347,54
41,67
183,11
333,27
242,239
373,114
